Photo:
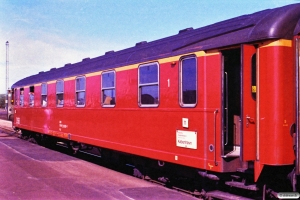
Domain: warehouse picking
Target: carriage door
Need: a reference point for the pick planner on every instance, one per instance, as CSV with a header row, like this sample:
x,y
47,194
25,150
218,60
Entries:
x,y
239,106
297,72
231,103
248,111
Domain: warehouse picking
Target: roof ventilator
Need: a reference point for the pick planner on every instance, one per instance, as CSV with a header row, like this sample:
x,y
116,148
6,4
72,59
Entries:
x,y
185,30
85,59
140,43
109,52
68,64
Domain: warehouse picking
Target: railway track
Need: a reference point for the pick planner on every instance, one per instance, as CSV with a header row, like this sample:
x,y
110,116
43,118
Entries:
x,y
7,131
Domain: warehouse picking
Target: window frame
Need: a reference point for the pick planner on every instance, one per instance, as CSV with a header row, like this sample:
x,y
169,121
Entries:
x,y
253,76
181,103
21,96
59,93
44,94
31,101
155,105
77,91
17,96
108,88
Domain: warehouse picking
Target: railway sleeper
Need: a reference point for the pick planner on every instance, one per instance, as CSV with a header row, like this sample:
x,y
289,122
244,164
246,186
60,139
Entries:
x,y
216,194
242,185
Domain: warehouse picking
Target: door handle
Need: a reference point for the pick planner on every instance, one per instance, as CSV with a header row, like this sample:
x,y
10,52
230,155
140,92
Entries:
x,y
249,120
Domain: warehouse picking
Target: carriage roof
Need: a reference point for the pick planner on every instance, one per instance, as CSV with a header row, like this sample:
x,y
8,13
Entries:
x,y
277,23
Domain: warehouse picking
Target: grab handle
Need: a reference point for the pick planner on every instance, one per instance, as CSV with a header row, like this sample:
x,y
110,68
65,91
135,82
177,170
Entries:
x,y
226,107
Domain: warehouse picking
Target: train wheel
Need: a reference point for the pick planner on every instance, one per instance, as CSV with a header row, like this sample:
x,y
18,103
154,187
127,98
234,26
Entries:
x,y
33,140
50,142
25,134
74,147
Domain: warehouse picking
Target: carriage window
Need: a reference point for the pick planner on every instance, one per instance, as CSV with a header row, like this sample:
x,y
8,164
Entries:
x,y
21,96
44,94
31,96
253,77
80,91
12,96
149,85
16,96
60,93
108,89
188,82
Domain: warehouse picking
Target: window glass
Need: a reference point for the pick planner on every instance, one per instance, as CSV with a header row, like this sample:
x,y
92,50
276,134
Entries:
x,y
253,77
17,94
21,96
80,91
149,85
108,79
149,74
10,94
188,87
80,83
44,94
60,93
31,96
108,88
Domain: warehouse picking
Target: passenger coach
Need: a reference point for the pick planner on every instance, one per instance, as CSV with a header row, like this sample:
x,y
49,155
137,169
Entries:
x,y
218,100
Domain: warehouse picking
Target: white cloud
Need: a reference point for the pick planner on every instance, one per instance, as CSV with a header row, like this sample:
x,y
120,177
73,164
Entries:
x,y
30,54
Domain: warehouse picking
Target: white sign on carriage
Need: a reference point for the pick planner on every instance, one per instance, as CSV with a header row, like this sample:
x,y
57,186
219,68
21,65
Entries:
x,y
186,139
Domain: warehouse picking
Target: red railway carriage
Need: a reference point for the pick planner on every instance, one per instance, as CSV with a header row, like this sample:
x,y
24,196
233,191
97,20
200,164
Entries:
x,y
221,98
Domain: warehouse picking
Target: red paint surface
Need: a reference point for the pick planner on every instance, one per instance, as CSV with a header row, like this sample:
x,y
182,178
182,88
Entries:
x,y
149,132
276,110
248,107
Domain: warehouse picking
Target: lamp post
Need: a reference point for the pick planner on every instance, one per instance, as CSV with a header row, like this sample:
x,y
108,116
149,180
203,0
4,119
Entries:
x,y
7,63
7,74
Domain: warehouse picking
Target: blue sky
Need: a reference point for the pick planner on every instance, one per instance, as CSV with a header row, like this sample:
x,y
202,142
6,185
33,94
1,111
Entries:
x,y
43,34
